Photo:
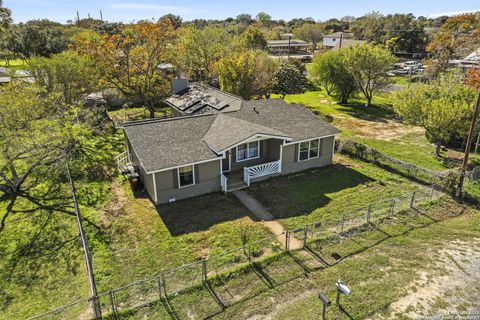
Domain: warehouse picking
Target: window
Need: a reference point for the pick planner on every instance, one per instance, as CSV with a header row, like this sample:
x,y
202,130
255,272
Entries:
x,y
186,176
247,151
309,149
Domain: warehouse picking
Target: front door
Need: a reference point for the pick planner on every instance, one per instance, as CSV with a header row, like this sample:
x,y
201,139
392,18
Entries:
x,y
226,162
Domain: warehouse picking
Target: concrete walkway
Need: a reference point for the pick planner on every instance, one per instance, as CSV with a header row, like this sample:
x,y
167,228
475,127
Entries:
x,y
266,218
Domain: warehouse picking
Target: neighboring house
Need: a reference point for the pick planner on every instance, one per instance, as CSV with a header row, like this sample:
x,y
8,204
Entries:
x,y
193,98
4,76
470,61
292,46
340,40
187,156
331,40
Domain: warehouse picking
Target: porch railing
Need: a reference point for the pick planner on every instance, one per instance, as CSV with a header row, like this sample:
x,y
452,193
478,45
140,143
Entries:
x,y
124,160
264,169
224,182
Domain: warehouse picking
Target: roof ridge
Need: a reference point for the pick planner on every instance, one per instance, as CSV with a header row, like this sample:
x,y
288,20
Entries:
x,y
148,121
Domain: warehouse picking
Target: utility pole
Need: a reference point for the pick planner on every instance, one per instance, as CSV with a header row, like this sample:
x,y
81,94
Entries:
x,y
467,147
101,15
341,39
86,249
78,17
289,40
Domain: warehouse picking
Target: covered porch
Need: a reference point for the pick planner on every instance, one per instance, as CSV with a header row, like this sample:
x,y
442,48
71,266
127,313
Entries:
x,y
251,161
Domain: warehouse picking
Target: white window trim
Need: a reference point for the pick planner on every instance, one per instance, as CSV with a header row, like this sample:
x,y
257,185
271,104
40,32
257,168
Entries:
x,y
193,176
248,149
309,144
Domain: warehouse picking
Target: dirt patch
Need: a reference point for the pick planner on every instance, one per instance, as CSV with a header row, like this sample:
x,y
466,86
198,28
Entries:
x,y
384,130
451,285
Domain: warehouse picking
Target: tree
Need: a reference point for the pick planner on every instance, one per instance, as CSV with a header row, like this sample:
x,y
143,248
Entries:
x,y
38,131
175,20
369,64
287,79
244,20
129,61
37,38
199,49
5,17
442,107
311,32
263,18
253,38
457,37
246,73
71,75
329,70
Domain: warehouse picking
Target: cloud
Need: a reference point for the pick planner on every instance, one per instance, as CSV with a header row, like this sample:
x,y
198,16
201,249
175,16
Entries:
x,y
452,13
151,6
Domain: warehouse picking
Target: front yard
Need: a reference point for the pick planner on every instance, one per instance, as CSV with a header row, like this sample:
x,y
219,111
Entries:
x,y
313,195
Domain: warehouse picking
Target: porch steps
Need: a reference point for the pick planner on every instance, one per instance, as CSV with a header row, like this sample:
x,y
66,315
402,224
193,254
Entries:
x,y
236,186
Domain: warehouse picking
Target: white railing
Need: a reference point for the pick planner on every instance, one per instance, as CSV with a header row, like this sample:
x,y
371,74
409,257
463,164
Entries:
x,y
224,182
264,169
124,159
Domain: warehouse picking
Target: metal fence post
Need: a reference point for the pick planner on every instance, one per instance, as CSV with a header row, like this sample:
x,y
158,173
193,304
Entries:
x,y
112,304
369,211
392,207
305,236
204,270
162,291
343,220
412,199
287,240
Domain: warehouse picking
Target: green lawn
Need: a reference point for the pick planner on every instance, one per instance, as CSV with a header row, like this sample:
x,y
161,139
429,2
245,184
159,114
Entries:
x,y
130,114
144,240
328,192
15,63
385,271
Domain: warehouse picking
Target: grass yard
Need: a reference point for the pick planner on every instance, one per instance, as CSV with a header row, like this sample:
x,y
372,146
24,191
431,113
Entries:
x,y
327,192
144,240
15,63
415,270
130,114
378,127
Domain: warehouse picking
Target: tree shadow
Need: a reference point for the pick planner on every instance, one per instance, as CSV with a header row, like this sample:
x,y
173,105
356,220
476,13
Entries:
x,y
375,112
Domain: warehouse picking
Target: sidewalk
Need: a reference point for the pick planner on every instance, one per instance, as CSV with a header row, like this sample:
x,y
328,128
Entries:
x,y
266,218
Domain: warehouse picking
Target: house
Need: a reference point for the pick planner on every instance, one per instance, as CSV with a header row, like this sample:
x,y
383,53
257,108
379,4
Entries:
x,y
288,46
340,40
470,61
182,157
331,40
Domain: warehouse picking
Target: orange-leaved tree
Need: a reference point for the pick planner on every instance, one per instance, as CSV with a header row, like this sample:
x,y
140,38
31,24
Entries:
x,y
130,61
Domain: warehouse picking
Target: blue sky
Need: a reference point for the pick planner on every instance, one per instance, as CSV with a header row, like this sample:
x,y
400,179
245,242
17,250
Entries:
x,y
130,10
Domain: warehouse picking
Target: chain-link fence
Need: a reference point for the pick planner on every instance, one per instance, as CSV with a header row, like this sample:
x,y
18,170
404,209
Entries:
x,y
203,288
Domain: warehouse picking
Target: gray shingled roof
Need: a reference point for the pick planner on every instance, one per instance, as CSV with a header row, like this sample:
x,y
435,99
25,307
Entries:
x,y
161,144
227,131
295,121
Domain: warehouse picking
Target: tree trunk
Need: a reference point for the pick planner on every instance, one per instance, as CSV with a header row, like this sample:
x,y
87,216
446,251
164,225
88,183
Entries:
x,y
369,101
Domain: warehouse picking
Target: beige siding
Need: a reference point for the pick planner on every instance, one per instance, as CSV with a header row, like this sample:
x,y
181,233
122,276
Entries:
x,y
290,156
207,176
